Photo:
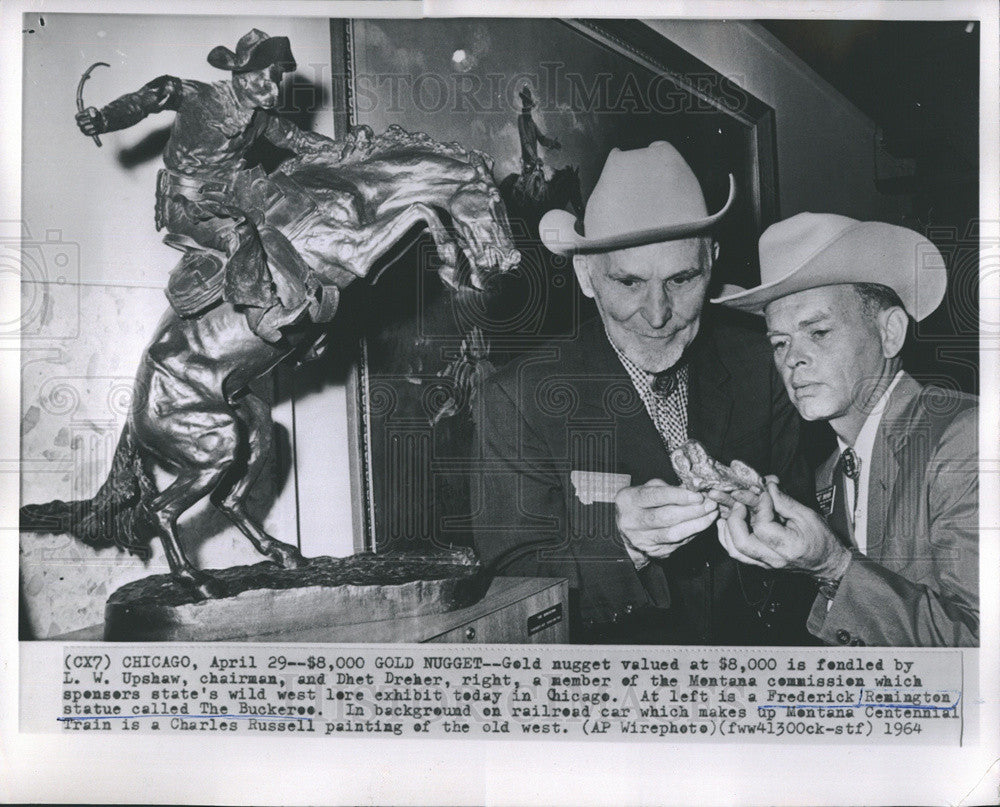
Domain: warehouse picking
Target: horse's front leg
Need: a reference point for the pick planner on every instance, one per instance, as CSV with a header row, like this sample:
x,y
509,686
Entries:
x,y
256,416
372,241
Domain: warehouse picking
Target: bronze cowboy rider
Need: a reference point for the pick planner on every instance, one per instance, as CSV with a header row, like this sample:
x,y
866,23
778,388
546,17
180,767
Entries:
x,y
207,197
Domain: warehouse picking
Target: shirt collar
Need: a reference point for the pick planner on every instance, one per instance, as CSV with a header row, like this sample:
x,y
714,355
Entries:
x,y
864,443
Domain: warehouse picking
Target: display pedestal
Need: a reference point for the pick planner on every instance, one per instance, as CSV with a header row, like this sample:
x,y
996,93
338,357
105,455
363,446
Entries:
x,y
265,599
515,610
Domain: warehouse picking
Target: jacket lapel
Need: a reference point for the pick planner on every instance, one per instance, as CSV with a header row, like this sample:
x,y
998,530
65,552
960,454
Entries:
x,y
710,403
893,433
609,401
607,396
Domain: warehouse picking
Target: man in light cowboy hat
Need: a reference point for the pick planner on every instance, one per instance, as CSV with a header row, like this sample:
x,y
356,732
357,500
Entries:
x,y
206,170
563,431
897,556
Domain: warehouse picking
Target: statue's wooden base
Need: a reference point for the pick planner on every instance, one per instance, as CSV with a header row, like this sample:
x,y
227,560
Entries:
x,y
265,599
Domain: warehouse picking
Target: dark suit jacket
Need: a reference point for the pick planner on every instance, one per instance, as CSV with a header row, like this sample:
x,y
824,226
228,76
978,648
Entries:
x,y
572,407
918,581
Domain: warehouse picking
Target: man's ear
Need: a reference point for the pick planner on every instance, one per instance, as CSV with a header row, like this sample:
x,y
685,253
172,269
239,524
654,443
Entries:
x,y
582,265
892,325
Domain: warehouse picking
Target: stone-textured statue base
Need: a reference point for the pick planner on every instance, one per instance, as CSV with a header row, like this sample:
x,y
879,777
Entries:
x,y
266,599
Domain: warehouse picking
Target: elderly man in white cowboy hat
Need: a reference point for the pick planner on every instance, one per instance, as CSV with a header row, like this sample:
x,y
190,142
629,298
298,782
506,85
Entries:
x,y
206,158
575,437
897,556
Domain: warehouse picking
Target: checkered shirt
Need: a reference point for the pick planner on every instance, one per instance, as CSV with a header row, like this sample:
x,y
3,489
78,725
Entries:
x,y
668,412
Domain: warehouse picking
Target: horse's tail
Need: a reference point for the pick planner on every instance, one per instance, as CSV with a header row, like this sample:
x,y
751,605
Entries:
x,y
114,517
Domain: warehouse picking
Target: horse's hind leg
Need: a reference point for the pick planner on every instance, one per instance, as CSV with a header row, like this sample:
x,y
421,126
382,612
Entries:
x,y
256,415
186,490
199,443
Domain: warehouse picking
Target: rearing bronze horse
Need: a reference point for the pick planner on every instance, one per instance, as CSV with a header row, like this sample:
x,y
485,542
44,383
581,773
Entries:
x,y
192,412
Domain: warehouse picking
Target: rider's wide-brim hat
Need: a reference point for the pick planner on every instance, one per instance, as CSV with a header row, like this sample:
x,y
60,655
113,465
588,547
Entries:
x,y
822,249
643,196
255,51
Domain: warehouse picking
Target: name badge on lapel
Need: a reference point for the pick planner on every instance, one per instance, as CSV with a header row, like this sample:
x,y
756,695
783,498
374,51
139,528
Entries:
x,y
825,499
598,486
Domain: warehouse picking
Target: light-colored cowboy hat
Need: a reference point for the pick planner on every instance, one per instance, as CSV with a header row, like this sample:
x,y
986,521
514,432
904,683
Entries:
x,y
642,197
823,249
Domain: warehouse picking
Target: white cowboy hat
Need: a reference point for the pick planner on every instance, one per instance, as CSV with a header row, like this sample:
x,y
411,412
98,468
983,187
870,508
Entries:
x,y
823,249
642,197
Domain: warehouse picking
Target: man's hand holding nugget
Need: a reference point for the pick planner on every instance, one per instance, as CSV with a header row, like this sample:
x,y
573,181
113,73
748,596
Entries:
x,y
802,543
656,519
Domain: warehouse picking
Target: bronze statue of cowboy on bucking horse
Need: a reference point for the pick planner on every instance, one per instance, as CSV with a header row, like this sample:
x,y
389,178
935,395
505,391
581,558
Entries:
x,y
262,252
